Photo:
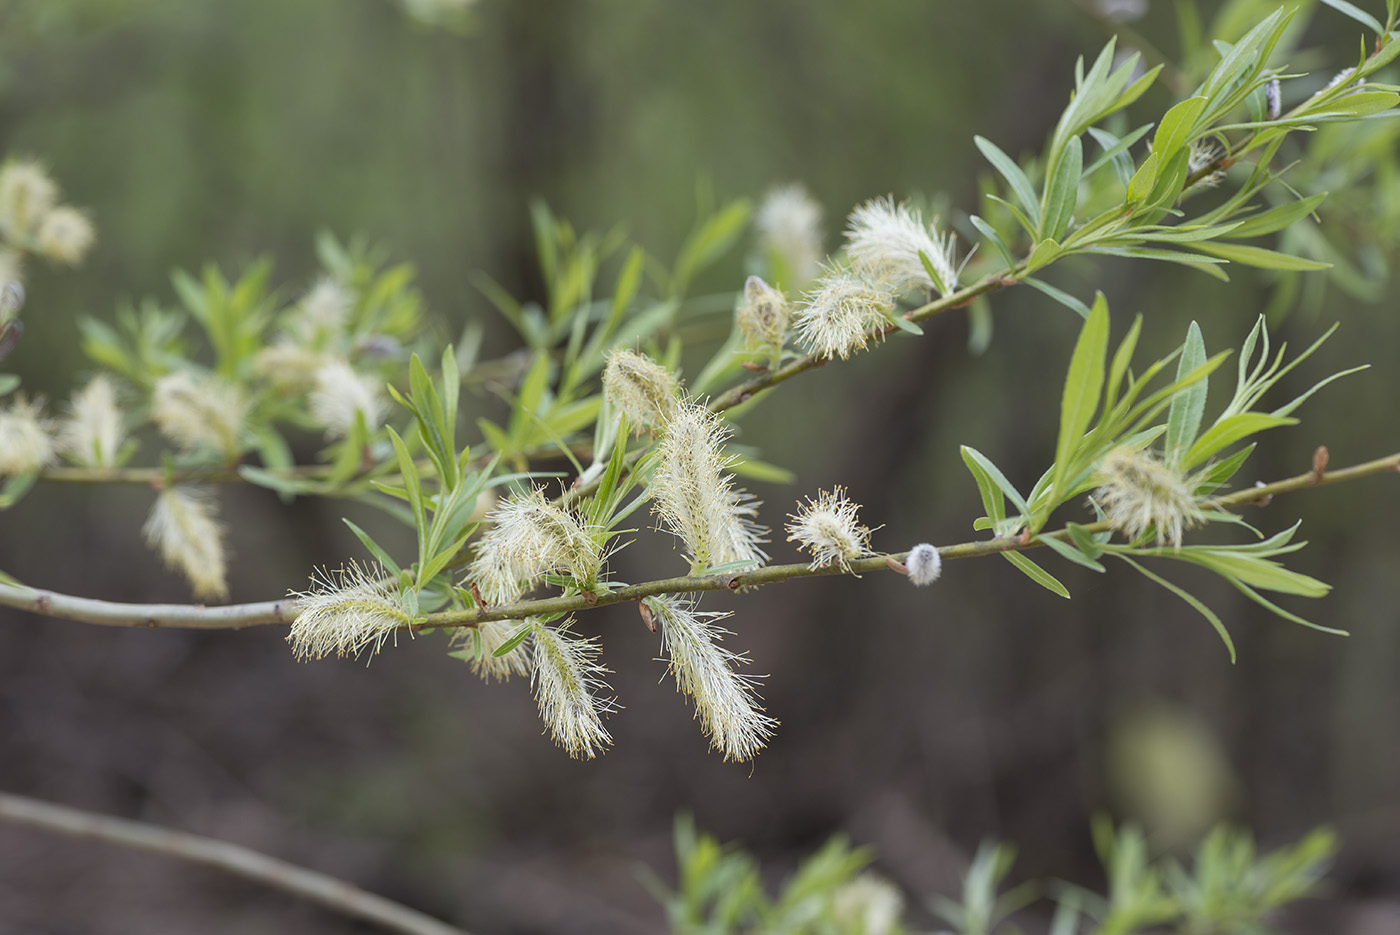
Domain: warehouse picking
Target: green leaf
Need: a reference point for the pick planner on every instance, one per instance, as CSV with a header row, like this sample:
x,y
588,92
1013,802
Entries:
x,y
761,470
991,234
1259,256
904,324
375,549
1189,598
1275,219
1045,253
1059,295
1062,191
1037,574
1068,551
1222,471
413,486
1269,605
1083,387
973,456
1358,14
9,382
1091,544
1254,570
1176,126
1015,178
515,640
1188,405
1227,431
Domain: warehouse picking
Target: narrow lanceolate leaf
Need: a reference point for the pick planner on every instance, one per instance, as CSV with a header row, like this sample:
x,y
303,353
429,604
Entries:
x,y
1227,431
991,234
1015,178
1358,14
1062,191
1083,386
1037,574
1259,256
1191,599
1188,404
1067,551
1275,219
972,455
1176,126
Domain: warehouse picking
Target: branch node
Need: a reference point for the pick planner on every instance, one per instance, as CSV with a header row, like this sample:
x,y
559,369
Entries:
x,y
1319,464
42,603
734,583
1266,499
590,597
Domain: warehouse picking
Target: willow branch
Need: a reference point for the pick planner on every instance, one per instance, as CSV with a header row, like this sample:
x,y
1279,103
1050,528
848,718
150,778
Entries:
x,y
337,895
237,616
745,391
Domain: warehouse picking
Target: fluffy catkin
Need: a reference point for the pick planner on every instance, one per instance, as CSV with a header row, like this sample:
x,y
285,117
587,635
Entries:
x,y
694,498
725,702
355,608
567,678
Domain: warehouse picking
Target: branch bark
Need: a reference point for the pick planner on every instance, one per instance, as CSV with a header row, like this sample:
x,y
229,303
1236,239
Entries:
x,y
337,895
237,616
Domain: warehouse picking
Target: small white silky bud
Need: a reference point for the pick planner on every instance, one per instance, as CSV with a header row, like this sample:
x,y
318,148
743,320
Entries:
x,y
924,564
789,228
1273,101
65,235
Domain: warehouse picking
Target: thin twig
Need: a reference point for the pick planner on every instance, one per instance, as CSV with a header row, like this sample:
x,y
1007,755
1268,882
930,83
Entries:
x,y
337,895
235,616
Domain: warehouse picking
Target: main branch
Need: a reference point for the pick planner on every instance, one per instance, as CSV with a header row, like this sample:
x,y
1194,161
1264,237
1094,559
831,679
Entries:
x,y
237,616
338,895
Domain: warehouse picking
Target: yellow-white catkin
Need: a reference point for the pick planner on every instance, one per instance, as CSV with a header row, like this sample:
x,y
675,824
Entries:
x,y
199,412
25,445
869,904
840,313
1138,492
763,315
341,396
184,528
322,312
567,679
693,496
345,612
11,268
641,389
789,226
65,235
27,193
91,433
528,537
828,528
884,240
288,367
726,703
